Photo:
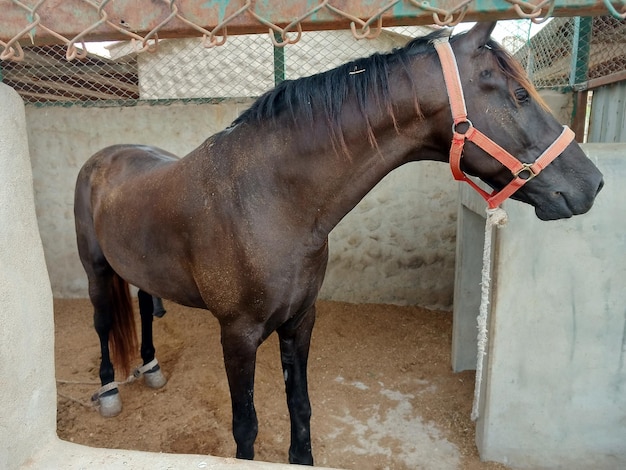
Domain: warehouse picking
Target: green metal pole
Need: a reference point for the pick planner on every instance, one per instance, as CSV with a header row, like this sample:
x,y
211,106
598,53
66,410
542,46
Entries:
x,y
581,45
279,61
580,50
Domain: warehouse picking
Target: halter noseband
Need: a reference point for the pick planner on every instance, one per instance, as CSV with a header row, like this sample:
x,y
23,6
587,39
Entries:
x,y
522,172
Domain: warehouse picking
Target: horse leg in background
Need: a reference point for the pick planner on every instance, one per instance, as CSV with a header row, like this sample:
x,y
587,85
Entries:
x,y
157,307
295,339
148,307
240,343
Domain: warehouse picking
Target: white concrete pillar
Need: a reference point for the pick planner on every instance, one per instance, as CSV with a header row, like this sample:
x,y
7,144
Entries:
x,y
27,387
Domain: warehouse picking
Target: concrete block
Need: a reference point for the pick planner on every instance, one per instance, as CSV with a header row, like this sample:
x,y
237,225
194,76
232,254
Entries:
x,y
554,382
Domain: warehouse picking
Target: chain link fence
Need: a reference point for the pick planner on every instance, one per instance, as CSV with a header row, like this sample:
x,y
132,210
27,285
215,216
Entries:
x,y
559,53
570,52
182,69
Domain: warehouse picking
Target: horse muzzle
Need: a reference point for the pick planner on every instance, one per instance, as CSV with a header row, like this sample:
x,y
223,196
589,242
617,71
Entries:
x,y
577,201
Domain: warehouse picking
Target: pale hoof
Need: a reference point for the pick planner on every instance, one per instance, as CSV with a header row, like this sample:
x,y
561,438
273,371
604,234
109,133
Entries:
x,y
154,379
110,406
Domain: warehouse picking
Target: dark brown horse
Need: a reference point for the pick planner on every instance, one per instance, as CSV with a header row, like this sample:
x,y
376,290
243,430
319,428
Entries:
x,y
240,225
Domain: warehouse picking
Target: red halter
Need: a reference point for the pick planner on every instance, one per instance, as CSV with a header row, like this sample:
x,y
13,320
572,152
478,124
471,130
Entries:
x,y
522,172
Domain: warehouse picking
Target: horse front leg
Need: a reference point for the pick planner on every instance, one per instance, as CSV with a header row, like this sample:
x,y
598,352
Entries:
x,y
149,307
240,347
295,339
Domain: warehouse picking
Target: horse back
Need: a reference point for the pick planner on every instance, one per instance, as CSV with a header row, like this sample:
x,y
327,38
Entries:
x,y
117,164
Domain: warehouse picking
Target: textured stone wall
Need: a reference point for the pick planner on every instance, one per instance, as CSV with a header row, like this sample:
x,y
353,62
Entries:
x,y
397,246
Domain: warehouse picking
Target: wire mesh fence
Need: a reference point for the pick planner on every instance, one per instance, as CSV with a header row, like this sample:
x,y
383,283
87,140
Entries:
x,y
559,53
569,52
182,69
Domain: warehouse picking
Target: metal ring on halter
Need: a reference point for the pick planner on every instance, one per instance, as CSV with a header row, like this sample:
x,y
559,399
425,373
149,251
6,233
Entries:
x,y
525,167
455,126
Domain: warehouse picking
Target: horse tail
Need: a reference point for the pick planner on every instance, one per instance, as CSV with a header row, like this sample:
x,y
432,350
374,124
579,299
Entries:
x,y
123,334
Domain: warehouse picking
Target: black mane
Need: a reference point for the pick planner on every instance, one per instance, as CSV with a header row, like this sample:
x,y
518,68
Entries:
x,y
328,90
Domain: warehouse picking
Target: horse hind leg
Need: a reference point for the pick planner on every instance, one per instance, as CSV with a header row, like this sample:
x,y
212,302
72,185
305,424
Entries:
x,y
149,307
109,296
100,288
113,322
108,399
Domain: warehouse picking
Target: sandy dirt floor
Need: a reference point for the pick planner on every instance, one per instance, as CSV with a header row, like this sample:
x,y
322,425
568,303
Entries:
x,y
381,387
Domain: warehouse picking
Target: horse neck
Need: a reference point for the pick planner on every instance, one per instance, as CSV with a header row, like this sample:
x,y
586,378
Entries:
x,y
335,179
288,169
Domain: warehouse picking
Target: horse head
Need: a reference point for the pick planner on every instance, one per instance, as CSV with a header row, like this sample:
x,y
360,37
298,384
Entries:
x,y
502,105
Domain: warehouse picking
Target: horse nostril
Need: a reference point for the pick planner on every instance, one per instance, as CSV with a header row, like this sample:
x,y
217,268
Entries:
x,y
600,186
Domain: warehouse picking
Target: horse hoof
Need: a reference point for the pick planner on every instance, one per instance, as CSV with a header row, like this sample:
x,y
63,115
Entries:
x,y
110,405
154,379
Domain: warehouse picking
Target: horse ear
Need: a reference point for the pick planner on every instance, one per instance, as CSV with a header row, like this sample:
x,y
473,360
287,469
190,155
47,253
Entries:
x,y
479,34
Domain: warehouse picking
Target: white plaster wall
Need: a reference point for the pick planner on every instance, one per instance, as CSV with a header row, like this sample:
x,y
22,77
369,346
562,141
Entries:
x,y
397,246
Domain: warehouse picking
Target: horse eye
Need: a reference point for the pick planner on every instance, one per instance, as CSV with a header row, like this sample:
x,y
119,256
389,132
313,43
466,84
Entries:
x,y
521,95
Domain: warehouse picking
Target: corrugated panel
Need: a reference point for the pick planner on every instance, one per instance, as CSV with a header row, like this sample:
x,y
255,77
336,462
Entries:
x,y
608,114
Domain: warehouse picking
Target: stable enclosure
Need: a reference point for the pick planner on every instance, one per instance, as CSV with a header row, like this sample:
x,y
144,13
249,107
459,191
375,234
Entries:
x,y
553,389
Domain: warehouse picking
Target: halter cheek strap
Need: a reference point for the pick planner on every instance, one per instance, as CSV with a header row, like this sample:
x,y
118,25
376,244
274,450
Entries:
x,y
522,172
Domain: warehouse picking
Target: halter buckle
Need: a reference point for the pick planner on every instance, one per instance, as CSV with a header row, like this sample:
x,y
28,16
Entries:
x,y
526,167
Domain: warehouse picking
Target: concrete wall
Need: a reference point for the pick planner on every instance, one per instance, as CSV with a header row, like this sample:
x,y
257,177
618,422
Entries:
x,y
561,104
554,382
387,250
